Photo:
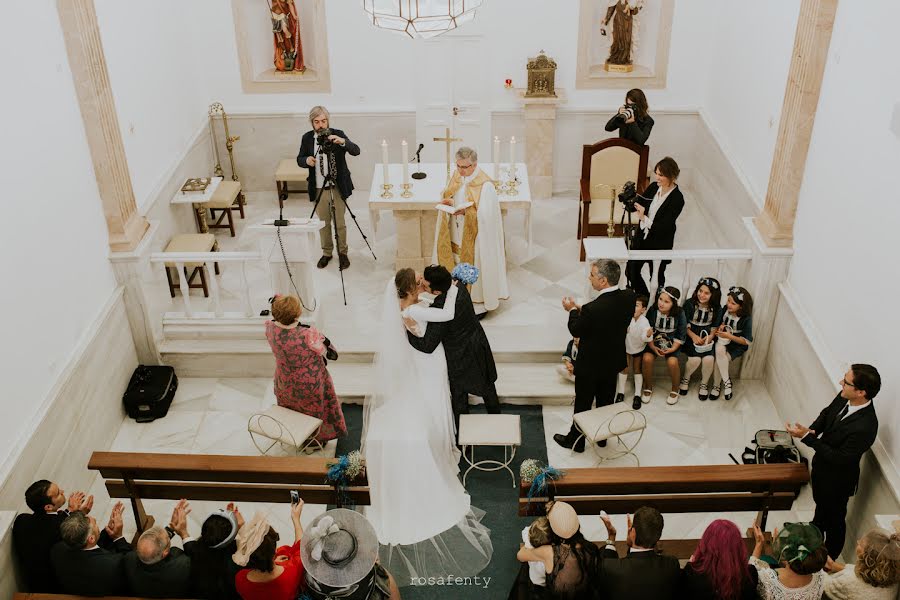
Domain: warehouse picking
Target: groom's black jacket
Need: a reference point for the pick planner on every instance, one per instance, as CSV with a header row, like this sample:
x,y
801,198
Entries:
x,y
470,363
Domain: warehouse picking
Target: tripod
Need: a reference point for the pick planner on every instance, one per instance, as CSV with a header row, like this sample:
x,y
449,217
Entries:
x,y
330,184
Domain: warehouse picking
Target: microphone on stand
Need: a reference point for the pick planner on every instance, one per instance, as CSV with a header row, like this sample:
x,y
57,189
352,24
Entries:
x,y
418,174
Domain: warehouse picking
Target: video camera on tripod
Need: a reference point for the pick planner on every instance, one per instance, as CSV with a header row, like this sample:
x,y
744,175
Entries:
x,y
322,139
628,196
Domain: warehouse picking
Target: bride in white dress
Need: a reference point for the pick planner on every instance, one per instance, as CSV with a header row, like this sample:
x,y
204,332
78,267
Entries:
x,y
423,516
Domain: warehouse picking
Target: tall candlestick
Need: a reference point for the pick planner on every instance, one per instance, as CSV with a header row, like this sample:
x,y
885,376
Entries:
x,y
404,147
496,157
384,160
512,154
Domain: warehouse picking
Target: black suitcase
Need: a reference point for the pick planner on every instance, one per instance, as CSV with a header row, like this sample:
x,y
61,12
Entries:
x,y
150,392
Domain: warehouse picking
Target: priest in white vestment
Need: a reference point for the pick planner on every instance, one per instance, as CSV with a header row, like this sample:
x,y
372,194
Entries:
x,y
473,234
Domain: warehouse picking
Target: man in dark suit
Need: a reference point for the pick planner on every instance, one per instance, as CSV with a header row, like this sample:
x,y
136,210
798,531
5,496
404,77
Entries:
x,y
840,435
157,570
87,562
470,362
35,534
317,162
600,325
643,573
657,211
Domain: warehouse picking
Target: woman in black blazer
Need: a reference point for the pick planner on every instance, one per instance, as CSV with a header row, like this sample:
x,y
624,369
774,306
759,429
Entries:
x,y
656,210
632,120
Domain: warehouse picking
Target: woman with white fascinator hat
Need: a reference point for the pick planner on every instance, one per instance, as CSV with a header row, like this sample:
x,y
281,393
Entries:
x,y
340,555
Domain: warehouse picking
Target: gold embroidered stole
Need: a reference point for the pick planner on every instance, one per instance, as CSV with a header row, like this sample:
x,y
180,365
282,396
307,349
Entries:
x,y
445,246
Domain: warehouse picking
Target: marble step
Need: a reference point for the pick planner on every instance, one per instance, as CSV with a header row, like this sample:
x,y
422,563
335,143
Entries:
x,y
517,383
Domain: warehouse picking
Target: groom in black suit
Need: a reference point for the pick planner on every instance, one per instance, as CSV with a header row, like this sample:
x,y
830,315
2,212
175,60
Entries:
x,y
600,325
470,362
840,435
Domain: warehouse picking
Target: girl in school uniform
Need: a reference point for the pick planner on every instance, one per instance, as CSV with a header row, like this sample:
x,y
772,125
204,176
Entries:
x,y
733,338
703,312
669,333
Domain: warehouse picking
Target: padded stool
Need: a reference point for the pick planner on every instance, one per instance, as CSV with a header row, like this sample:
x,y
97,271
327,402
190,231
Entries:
x,y
286,427
289,171
228,196
490,430
191,242
611,421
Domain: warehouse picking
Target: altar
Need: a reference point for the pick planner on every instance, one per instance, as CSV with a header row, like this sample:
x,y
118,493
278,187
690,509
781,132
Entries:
x,y
416,216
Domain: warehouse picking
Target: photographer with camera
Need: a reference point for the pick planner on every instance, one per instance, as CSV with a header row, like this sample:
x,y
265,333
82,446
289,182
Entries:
x,y
632,120
657,211
302,380
324,152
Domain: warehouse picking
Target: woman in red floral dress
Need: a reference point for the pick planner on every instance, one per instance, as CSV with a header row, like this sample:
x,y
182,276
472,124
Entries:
x,y
302,382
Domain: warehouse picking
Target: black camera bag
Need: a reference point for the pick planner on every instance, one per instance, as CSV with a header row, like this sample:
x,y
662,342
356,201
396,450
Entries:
x,y
150,392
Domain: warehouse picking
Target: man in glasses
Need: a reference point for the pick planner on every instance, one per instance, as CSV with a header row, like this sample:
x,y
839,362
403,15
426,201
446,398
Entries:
x,y
840,436
473,233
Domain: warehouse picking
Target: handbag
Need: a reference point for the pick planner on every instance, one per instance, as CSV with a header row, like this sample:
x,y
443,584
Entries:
x,y
773,446
704,347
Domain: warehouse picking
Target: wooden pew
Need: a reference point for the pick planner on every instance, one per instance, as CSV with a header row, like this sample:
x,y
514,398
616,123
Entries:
x,y
36,596
138,476
686,489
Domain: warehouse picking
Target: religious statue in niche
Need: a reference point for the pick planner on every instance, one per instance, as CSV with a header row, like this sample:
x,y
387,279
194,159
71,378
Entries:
x,y
541,77
286,31
621,14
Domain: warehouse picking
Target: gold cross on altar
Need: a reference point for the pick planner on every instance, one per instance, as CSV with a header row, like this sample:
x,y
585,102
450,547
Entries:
x,y
448,140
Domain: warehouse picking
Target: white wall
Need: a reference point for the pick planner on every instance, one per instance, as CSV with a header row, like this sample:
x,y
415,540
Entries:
x,y
157,65
372,69
53,239
751,46
845,267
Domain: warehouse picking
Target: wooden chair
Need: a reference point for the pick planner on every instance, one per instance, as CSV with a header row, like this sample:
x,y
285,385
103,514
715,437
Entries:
x,y
686,489
289,171
227,197
605,167
190,242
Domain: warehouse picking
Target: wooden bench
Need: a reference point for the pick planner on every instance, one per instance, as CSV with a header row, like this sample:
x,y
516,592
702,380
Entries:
x,y
139,476
687,489
36,596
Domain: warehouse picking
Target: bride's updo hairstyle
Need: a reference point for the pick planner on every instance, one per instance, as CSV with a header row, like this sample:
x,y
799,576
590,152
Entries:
x,y
405,281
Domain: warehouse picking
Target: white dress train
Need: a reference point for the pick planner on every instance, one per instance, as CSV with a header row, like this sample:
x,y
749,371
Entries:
x,y
422,514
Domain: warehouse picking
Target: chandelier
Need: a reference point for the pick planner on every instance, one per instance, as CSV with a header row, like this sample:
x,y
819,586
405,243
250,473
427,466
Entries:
x,y
421,18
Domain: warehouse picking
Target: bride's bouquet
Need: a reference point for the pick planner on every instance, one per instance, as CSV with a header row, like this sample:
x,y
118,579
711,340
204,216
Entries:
x,y
466,273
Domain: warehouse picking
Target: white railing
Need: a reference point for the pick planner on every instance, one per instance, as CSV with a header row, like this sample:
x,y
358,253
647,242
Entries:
x,y
721,256
180,259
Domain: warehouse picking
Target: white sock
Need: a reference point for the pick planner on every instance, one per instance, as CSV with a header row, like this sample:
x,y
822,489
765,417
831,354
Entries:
x,y
638,383
706,368
620,388
690,366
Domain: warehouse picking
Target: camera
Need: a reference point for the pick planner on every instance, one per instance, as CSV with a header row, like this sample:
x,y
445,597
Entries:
x,y
628,195
627,112
323,141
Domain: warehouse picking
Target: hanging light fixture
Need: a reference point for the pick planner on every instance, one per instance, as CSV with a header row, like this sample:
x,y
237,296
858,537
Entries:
x,y
421,18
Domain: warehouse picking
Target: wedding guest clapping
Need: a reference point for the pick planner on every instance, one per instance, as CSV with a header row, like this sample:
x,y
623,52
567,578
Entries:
x,y
302,383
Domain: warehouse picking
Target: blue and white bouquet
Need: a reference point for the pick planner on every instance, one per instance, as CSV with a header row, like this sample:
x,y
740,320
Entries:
x,y
466,273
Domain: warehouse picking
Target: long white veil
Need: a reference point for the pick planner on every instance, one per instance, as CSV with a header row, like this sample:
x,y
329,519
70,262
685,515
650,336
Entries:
x,y
425,523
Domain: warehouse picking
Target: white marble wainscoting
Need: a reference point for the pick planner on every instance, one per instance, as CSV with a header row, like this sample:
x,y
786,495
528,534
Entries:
x,y
81,413
802,376
689,433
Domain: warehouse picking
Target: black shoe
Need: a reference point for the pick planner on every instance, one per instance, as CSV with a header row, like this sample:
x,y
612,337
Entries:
x,y
480,316
567,442
636,403
343,261
620,397
323,262
602,443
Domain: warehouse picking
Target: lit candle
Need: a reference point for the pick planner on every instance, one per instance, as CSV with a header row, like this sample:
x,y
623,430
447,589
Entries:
x,y
404,147
512,153
496,157
384,161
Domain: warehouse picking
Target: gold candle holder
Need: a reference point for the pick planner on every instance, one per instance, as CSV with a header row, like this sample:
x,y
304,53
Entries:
x,y
406,193
512,188
387,191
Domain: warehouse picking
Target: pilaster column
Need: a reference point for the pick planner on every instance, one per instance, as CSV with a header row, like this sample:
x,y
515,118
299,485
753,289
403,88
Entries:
x,y
132,269
540,134
798,113
101,124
